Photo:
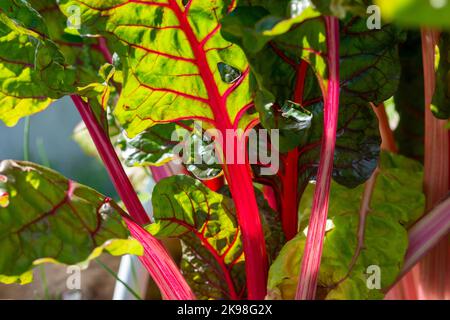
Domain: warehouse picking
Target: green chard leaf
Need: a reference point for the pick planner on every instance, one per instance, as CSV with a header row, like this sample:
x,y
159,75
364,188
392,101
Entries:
x,y
201,145
396,203
32,70
195,72
153,147
370,72
357,146
45,217
213,258
415,13
370,68
42,60
163,143
205,221
271,222
370,65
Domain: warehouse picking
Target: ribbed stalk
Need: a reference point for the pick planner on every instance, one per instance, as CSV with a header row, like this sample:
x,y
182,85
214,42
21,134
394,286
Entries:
x,y
310,265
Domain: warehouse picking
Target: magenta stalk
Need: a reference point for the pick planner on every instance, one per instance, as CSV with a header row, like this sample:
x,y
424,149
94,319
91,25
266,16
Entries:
x,y
112,163
309,270
160,265
156,260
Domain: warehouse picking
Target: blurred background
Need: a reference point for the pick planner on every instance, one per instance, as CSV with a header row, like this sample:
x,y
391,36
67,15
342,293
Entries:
x,y
51,144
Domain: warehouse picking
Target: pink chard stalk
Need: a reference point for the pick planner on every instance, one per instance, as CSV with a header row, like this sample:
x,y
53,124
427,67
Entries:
x,y
238,175
433,267
310,265
156,259
423,274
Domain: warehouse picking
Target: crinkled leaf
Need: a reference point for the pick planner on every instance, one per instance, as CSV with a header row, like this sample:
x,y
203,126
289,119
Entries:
x,y
31,66
275,64
41,60
202,161
94,75
48,218
197,150
271,222
166,142
357,146
356,154
416,12
397,201
83,54
213,259
369,59
153,147
252,26
370,68
173,60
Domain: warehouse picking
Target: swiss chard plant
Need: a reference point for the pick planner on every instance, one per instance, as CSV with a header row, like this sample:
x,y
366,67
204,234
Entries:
x,y
302,190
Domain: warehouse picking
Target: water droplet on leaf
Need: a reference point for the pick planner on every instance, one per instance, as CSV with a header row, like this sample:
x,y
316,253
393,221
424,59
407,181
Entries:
x,y
295,116
228,73
105,210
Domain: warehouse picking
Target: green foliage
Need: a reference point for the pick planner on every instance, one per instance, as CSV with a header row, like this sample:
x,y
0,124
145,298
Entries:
x,y
357,146
370,72
45,217
342,8
184,52
397,201
230,64
205,221
152,147
40,61
415,13
213,260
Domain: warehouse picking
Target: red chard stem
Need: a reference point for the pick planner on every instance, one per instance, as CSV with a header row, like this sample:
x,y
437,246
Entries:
x,y
112,163
310,265
160,265
155,259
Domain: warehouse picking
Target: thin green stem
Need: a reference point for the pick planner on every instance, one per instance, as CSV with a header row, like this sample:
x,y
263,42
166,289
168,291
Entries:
x,y
44,282
111,272
42,152
26,140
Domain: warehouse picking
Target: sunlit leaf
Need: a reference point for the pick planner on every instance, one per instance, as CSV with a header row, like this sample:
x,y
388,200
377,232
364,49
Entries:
x,y
49,218
396,202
